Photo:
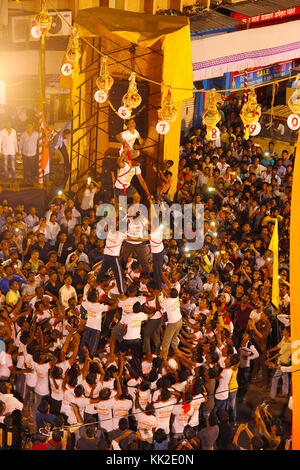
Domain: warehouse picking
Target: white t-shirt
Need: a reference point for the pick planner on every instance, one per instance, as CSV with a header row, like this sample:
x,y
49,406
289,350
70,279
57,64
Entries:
x,y
130,138
156,240
127,304
88,199
181,418
94,314
172,307
133,322
42,387
31,377
163,410
145,424
120,409
114,242
56,393
136,229
197,400
222,390
125,175
6,364
104,409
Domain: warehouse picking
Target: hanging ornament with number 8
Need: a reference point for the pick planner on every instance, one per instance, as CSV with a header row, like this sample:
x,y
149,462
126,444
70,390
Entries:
x,y
132,99
168,112
211,116
104,81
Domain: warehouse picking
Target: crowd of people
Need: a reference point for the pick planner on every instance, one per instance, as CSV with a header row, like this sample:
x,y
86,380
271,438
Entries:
x,y
137,342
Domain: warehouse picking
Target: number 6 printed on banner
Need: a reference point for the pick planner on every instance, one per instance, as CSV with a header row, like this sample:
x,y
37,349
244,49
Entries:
x,y
124,112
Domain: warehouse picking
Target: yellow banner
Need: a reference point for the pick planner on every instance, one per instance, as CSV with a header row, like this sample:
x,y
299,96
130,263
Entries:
x,y
295,299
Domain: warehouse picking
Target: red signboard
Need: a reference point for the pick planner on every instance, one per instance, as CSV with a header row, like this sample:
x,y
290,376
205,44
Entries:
x,y
273,16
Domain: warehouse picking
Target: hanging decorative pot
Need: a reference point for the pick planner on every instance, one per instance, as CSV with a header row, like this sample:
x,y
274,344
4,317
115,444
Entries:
x,y
250,114
132,99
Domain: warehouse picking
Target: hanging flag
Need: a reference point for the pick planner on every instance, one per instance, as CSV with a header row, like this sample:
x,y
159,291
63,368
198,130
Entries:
x,y
40,170
45,151
275,282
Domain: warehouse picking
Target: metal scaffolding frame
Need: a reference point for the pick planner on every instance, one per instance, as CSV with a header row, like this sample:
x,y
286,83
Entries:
x,y
96,118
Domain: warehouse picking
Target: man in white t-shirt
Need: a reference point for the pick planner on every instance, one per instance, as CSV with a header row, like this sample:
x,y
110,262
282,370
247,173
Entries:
x,y
111,255
129,136
133,316
134,245
174,323
163,410
91,312
128,168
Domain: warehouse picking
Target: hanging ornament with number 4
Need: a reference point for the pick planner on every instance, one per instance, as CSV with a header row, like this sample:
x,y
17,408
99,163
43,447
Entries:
x,y
293,120
104,81
250,114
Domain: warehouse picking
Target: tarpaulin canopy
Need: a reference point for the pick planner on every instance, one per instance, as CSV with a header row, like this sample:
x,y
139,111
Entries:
x,y
146,30
213,56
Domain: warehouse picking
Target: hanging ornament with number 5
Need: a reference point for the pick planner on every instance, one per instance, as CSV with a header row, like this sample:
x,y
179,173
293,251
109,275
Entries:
x,y
250,113
211,115
104,81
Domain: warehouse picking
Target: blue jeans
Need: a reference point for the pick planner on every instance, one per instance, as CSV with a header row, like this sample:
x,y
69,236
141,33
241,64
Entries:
x,y
90,339
285,383
231,406
219,405
11,159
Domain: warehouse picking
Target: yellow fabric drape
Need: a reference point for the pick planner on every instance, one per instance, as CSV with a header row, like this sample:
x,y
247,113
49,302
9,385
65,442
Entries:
x,y
173,33
177,72
295,299
275,282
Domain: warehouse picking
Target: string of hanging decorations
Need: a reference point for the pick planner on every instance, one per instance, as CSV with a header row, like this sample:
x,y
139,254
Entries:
x,y
250,112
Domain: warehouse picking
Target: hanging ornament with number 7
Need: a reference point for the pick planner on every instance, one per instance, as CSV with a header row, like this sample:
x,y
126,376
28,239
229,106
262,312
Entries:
x,y
250,114
293,121
168,112
132,99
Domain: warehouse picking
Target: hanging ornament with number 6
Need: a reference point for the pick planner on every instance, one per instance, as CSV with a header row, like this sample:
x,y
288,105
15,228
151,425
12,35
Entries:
x,y
168,112
211,115
250,113
132,99
105,81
